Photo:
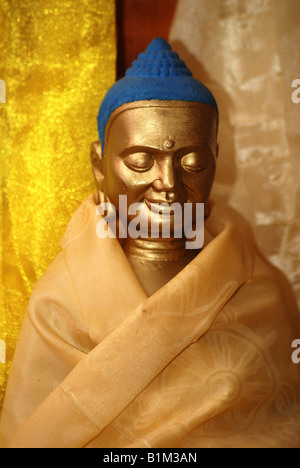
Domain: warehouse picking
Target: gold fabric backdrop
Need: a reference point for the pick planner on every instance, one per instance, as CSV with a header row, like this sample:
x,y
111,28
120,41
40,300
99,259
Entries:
x,y
247,52
57,59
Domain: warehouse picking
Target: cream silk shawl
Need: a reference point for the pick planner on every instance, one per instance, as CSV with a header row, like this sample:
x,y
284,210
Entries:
x,y
204,362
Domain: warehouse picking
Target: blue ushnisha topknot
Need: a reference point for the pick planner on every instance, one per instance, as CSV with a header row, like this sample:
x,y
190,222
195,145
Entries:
x,y
158,73
158,60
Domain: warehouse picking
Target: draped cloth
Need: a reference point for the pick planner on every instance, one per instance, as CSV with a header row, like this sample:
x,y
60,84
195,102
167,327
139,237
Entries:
x,y
248,54
204,362
57,59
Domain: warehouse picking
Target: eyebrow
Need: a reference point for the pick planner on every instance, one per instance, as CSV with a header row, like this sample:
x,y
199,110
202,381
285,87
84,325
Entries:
x,y
151,149
138,149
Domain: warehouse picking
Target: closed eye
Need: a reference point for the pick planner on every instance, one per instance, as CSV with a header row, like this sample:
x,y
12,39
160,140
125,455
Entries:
x,y
194,162
139,162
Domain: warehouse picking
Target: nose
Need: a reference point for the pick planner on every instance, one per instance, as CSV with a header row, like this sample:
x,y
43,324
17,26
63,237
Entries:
x,y
166,177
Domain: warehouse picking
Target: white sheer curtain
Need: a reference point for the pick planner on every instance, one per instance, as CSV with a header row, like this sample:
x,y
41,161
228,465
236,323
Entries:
x,y
248,53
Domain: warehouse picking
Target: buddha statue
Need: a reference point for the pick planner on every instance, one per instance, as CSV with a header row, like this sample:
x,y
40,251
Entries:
x,y
159,131
140,341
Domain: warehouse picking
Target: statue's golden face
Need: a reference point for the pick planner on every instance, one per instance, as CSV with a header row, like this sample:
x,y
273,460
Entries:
x,y
160,151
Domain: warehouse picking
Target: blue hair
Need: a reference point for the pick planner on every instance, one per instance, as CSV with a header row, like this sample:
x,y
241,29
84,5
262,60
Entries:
x,y
158,74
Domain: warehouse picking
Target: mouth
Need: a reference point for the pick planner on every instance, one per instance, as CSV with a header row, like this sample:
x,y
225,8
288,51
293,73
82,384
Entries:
x,y
159,206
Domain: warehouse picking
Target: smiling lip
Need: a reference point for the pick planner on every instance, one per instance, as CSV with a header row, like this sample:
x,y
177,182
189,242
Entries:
x,y
155,206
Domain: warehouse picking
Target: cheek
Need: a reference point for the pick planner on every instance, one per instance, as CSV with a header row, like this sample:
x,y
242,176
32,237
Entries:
x,y
121,180
198,186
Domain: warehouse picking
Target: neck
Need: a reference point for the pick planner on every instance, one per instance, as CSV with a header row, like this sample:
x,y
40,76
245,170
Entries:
x,y
157,249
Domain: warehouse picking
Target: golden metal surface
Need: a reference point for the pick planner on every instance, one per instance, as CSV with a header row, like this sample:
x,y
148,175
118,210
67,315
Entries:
x,y
158,152
137,163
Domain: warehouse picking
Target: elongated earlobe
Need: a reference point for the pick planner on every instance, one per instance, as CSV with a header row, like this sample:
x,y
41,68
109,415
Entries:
x,y
97,165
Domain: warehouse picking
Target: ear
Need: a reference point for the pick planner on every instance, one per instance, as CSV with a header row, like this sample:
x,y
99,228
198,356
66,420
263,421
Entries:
x,y
97,164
